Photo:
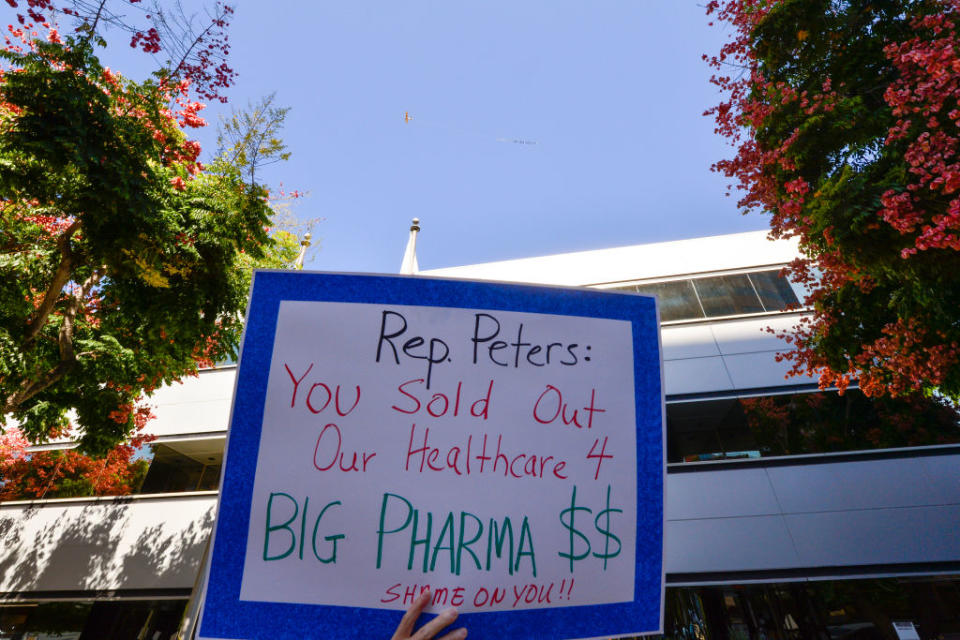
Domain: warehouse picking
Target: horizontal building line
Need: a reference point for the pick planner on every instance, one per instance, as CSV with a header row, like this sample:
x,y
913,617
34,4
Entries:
x,y
115,500
721,355
794,574
727,394
17,597
816,458
774,514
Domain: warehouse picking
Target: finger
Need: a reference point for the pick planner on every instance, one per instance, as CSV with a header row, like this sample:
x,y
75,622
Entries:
x,y
405,628
432,628
456,634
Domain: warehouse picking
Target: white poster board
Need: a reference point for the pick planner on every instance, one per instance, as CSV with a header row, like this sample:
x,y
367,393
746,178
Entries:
x,y
488,452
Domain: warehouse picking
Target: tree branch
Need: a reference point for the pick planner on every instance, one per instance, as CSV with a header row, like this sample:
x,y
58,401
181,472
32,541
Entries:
x,y
90,282
93,25
60,278
186,54
30,388
65,338
68,357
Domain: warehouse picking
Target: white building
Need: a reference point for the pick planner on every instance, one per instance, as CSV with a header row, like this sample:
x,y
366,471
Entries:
x,y
762,540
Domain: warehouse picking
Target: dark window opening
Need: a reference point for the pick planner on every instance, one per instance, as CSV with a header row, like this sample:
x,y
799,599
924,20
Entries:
x,y
190,465
805,423
826,610
92,620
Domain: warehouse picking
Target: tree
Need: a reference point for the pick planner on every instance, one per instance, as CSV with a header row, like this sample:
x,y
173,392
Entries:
x,y
845,116
247,141
68,473
197,49
13,447
249,138
118,252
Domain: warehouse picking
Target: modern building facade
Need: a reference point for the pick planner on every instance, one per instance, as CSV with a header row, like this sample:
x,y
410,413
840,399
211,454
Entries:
x,y
790,512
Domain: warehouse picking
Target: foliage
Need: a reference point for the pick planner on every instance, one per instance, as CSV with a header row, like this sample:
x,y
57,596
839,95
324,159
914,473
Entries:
x,y
13,447
197,49
68,473
124,262
118,254
249,138
821,422
845,120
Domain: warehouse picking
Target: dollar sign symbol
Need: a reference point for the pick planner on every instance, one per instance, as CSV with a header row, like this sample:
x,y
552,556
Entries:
x,y
572,513
606,532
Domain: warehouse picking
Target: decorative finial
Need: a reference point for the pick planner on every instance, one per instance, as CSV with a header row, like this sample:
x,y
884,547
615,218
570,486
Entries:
x,y
298,263
409,266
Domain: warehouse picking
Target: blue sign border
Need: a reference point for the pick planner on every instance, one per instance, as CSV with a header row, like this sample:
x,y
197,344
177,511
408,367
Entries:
x,y
226,616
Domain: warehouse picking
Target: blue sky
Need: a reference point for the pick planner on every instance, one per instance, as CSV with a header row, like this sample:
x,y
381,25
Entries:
x,y
611,91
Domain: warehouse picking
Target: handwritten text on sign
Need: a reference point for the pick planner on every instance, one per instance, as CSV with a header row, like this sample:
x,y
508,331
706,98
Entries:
x,y
487,454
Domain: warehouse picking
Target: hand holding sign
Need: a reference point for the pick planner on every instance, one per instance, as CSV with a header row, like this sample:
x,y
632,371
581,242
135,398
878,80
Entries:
x,y
432,628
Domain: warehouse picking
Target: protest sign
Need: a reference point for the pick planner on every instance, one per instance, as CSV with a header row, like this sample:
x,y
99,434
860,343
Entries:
x,y
501,444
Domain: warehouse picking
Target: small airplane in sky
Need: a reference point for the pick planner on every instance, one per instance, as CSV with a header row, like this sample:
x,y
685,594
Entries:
x,y
407,118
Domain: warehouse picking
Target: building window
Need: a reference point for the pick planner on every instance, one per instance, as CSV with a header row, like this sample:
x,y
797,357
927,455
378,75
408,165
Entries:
x,y
678,300
727,296
729,428
93,620
189,465
719,296
839,610
774,290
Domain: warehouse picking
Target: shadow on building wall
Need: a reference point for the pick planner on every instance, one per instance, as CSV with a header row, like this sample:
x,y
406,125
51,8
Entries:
x,y
101,547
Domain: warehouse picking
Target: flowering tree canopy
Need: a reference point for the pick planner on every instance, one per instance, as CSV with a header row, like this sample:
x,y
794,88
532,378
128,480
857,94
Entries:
x,y
196,49
845,117
68,473
13,447
119,250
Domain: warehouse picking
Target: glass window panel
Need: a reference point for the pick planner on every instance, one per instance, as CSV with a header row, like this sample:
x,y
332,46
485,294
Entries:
x,y
678,301
146,620
47,621
851,609
775,292
194,467
793,424
727,296
708,430
210,478
117,620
